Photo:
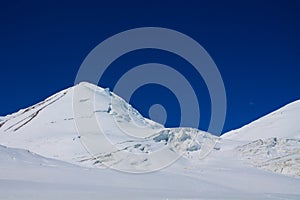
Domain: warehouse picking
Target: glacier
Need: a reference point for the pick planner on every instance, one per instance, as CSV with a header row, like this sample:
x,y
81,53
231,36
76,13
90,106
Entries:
x,y
44,155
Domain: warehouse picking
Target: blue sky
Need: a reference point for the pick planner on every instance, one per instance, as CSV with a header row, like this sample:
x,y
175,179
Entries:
x,y
255,45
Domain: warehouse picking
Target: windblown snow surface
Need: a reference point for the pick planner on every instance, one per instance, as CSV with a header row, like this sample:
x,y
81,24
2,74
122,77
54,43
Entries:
x,y
44,156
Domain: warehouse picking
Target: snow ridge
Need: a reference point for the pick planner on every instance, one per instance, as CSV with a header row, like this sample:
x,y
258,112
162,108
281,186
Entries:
x,y
204,163
282,123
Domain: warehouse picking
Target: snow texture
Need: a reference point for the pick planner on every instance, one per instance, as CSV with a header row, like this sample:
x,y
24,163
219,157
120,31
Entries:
x,y
43,156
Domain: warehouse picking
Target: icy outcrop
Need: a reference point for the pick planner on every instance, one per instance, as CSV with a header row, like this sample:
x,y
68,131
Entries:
x,y
279,155
188,142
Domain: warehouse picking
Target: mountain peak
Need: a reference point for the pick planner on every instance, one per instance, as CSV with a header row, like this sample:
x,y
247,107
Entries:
x,y
282,123
60,127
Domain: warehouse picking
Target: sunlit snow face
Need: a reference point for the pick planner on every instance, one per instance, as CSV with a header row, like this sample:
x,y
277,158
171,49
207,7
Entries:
x,y
91,122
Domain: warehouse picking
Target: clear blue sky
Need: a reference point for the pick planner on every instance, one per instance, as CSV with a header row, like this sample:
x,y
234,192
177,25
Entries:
x,y
255,45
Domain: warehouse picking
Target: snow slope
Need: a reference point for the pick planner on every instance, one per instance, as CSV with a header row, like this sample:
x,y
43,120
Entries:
x,y
282,123
205,167
272,142
46,128
20,157
24,175
49,128
274,154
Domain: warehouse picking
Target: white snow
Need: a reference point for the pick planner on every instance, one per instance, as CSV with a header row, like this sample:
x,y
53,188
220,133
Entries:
x,y
28,176
274,154
282,123
66,165
272,142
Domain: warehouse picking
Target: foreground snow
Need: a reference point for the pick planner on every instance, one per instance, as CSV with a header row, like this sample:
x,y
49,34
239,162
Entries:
x,y
28,176
66,164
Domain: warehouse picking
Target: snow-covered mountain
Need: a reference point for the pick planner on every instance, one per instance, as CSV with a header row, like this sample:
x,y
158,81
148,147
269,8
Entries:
x,y
272,142
46,128
282,123
49,128
55,144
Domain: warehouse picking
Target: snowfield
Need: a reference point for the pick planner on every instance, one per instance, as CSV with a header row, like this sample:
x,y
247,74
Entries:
x,y
282,123
47,151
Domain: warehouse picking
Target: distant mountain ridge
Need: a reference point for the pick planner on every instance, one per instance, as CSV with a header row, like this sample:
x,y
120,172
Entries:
x,y
282,123
44,138
49,128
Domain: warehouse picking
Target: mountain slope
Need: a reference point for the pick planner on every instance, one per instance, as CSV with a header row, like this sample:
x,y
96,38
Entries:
x,y
46,128
282,123
206,166
51,128
277,155
19,157
271,142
